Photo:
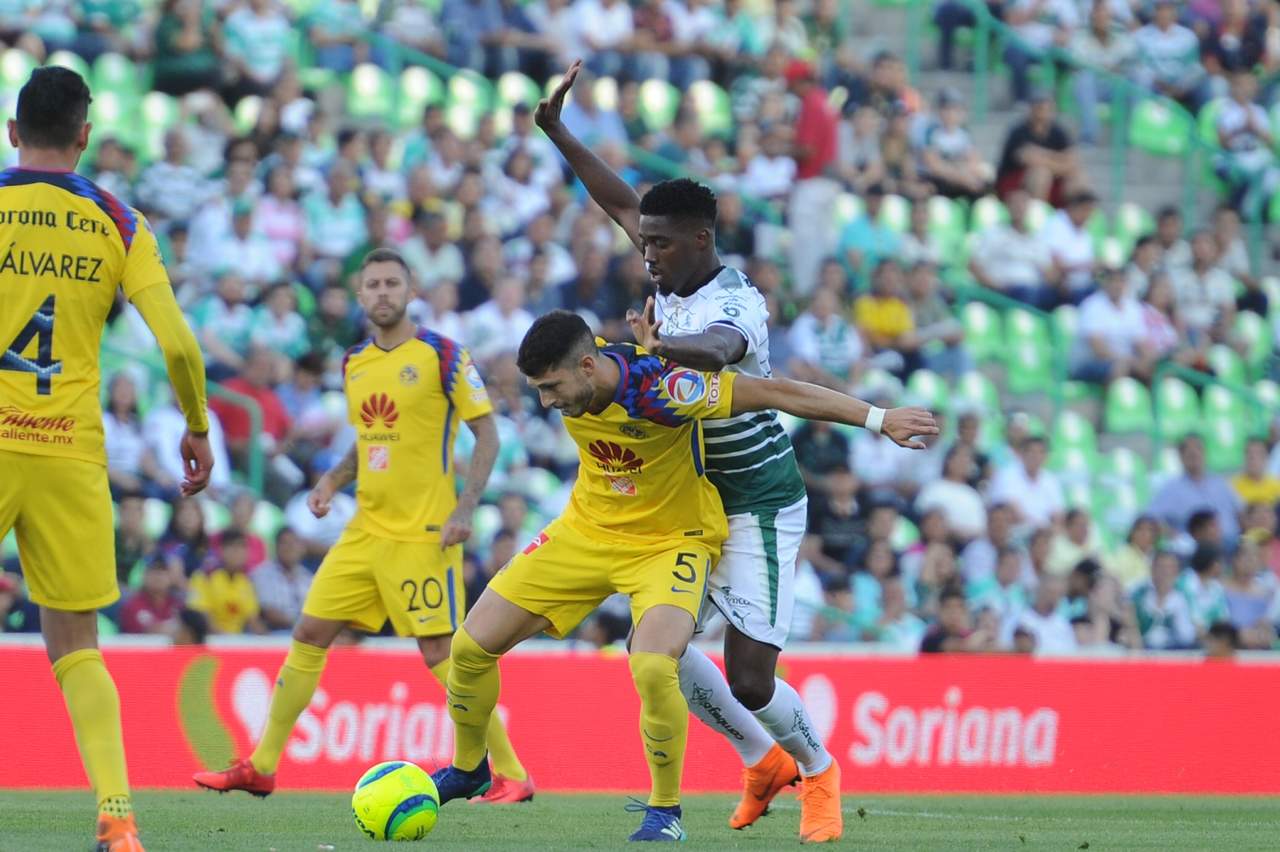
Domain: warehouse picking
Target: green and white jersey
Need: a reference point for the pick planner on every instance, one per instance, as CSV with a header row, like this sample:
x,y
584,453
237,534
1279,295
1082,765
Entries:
x,y
748,457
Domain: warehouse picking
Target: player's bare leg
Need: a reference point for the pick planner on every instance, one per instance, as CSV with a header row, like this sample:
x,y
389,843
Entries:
x,y
493,627
71,640
750,666
511,783
656,644
295,684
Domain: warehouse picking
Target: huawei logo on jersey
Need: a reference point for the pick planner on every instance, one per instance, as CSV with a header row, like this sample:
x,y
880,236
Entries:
x,y
613,458
379,409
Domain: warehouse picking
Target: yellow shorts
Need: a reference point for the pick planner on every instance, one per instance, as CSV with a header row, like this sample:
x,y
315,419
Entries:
x,y
563,575
61,511
366,579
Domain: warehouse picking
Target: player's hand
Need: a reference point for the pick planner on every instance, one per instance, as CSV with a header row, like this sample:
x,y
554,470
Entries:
x,y
197,463
903,425
645,327
320,497
547,114
457,529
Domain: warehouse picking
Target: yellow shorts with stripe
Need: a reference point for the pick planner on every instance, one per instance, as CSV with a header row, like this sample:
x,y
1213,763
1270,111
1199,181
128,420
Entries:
x,y
60,510
563,575
366,579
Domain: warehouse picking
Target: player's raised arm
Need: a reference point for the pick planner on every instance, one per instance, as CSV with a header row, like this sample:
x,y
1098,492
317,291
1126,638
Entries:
x,y
711,350
608,190
901,425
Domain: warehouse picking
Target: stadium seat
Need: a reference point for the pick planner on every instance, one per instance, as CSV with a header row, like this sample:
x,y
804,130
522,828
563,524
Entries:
x,y
246,113
1038,213
659,101
1224,439
159,113
115,73
895,214
470,88
462,118
1207,122
1226,364
715,112
112,115
1065,319
982,331
904,534
1115,506
931,389
1078,494
987,212
267,520
1029,366
155,516
1112,252
1177,410
486,521
977,389
1269,393
1218,401
1023,325
1128,407
1159,129
1168,463
847,208
418,88
515,88
370,92
67,59
606,92
1071,429
1253,330
1131,222
1073,464
217,517
946,224
1124,465
15,69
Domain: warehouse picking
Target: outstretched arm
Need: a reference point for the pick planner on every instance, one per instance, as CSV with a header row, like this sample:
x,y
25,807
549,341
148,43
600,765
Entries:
x,y
801,399
608,190
711,350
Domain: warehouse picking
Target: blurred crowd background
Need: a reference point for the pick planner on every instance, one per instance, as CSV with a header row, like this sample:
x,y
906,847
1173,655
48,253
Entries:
x,y
1108,473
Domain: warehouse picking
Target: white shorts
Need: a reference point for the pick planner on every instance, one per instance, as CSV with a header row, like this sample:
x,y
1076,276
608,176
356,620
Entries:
x,y
753,584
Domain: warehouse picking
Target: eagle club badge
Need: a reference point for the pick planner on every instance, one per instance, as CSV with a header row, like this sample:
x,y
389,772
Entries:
x,y
409,375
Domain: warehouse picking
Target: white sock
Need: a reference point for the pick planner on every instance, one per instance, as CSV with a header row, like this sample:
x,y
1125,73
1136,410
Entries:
x,y
710,700
788,722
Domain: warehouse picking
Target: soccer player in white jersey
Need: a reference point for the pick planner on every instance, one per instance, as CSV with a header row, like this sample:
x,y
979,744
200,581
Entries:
x,y
709,317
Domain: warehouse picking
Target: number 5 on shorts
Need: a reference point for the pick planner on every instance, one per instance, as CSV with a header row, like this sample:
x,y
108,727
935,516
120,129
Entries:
x,y
686,570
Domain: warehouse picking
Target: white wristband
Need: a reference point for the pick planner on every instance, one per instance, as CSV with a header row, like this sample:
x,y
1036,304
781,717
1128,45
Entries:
x,y
875,419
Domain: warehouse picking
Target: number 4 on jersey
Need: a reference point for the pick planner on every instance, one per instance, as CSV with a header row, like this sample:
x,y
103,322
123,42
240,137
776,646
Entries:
x,y
41,328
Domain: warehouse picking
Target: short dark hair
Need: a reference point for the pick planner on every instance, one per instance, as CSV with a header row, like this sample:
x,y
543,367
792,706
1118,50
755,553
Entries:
x,y
551,339
952,592
385,255
1204,558
231,535
1200,519
681,198
1169,211
1226,631
52,108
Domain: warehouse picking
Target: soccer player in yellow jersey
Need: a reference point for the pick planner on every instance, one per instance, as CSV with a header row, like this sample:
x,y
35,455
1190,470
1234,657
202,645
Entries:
x,y
401,555
66,247
642,520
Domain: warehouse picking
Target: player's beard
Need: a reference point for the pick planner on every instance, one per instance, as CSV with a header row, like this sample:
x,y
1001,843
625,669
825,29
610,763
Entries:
x,y
384,320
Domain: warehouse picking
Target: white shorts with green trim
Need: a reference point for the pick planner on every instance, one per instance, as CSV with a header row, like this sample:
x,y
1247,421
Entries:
x,y
753,584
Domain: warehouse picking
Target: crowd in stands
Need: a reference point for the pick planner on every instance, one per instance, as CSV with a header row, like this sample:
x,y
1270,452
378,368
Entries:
x,y
860,207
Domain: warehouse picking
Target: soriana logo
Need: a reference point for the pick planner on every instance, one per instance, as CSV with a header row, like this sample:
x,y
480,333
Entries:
x,y
379,410
615,458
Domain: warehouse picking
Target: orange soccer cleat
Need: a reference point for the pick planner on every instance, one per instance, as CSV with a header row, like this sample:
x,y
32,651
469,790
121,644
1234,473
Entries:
x,y
761,783
507,791
820,817
238,776
118,834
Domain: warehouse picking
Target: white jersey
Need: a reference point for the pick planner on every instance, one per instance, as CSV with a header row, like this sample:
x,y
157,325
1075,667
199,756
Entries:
x,y
749,457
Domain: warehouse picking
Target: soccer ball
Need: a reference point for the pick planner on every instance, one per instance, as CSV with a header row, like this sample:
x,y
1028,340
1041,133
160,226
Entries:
x,y
395,800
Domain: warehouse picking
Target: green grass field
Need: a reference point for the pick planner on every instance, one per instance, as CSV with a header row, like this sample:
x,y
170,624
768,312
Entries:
x,y
299,822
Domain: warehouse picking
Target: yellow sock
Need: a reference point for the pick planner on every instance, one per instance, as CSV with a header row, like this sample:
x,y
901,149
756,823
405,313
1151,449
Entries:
x,y
295,685
664,723
502,755
472,688
94,707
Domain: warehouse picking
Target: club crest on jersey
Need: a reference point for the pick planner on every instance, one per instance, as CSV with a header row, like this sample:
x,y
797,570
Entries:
x,y
379,457
613,458
379,410
685,386
409,375
631,430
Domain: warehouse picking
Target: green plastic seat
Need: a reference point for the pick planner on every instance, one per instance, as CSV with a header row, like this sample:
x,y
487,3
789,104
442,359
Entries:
x,y
931,389
155,516
1253,330
113,115
370,92
1071,429
847,208
1021,325
1126,465
1029,366
977,389
1218,401
1160,129
159,112
983,332
114,72
15,69
904,534
419,87
246,113
267,520
659,101
715,113
217,517
1078,495
947,226
987,212
1177,409
1128,407
1131,222
1168,463
306,299
1038,213
485,523
1065,320
1207,122
895,213
67,59
468,87
1073,463
1227,364
606,92
515,88
1111,252
462,118
1269,392
1224,440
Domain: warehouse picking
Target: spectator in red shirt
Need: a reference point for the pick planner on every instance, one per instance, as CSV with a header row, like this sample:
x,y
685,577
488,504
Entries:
x,y
154,608
814,149
255,382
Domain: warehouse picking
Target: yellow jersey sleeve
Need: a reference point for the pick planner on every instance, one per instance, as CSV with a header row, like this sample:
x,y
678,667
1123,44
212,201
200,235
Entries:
x,y
668,394
143,265
463,383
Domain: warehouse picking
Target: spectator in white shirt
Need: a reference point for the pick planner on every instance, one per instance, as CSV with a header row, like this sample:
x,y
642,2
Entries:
x,y
825,346
1034,494
379,178
586,119
959,501
606,27
431,257
1169,58
498,325
950,158
1248,164
246,252
1105,47
771,173
163,428
547,170
171,189
1111,335
1009,259
1164,616
1040,26
282,583
1044,620
539,237
1205,293
1071,246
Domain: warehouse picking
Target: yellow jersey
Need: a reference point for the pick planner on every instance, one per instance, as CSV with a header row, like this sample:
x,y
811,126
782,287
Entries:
x,y
405,404
228,599
640,461
65,247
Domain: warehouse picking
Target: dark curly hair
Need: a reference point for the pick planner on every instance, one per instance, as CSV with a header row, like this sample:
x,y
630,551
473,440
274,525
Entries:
x,y
52,107
553,338
681,198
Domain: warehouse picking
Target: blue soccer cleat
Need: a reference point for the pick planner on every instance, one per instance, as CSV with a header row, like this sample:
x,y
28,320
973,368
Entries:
x,y
454,783
660,824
